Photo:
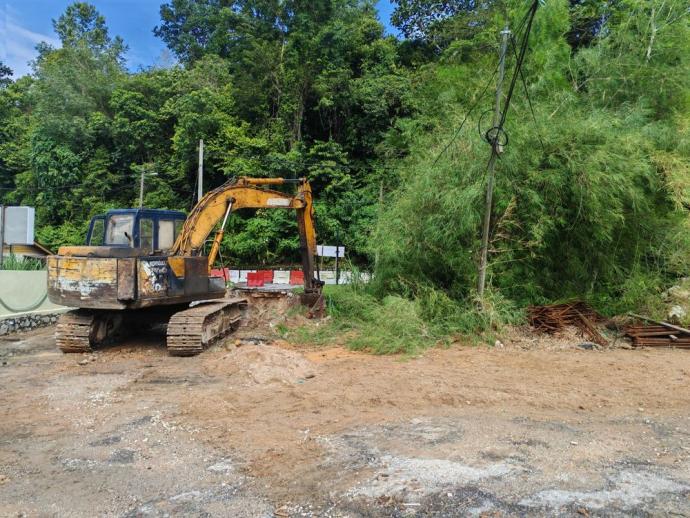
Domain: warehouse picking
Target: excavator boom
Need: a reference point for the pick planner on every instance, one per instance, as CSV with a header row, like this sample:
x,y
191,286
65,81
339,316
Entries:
x,y
245,193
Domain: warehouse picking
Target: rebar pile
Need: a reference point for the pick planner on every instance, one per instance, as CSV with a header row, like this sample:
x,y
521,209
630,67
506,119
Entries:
x,y
657,336
553,318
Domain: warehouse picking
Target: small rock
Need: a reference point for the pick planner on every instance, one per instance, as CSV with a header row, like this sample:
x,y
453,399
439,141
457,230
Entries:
x,y
498,344
677,314
83,362
574,443
4,329
626,345
677,293
589,346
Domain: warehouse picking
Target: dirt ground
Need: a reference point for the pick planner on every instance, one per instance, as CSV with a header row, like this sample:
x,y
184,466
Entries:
x,y
527,428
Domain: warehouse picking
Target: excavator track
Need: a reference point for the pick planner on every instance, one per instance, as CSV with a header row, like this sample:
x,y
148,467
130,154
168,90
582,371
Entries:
x,y
80,330
193,330
73,330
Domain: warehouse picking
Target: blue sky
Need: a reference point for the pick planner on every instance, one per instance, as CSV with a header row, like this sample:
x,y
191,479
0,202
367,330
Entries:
x,y
24,23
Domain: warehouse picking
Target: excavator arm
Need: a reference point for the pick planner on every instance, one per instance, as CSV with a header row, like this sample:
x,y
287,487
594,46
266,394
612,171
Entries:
x,y
216,206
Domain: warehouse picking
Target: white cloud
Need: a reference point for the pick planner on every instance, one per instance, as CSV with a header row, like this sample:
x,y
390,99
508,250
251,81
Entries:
x,y
18,44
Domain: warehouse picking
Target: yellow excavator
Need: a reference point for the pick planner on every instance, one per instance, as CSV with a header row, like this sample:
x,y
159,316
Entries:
x,y
142,267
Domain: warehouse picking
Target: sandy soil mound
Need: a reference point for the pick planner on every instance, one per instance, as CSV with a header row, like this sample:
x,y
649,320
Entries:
x,y
265,312
265,365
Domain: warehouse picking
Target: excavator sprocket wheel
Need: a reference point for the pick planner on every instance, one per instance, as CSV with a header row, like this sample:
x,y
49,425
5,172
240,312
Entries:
x,y
194,329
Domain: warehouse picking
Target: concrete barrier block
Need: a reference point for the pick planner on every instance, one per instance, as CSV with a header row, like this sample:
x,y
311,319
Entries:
x,y
281,277
296,277
243,275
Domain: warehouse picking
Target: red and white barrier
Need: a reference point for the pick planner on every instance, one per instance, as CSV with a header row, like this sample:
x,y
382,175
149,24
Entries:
x,y
258,278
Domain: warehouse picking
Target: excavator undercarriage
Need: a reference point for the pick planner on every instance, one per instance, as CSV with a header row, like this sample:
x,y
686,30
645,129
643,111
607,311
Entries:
x,y
189,330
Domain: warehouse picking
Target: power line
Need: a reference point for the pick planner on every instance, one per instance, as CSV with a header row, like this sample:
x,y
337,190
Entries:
x,y
520,59
474,105
527,18
529,100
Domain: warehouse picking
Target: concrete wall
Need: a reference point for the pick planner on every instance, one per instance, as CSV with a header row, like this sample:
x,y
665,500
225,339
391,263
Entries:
x,y
25,293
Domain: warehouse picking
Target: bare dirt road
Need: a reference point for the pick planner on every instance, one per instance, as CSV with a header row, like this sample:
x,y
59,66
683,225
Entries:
x,y
278,430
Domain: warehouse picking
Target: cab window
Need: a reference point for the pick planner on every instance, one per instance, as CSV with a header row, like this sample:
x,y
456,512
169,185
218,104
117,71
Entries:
x,y
166,234
97,232
119,230
178,226
146,234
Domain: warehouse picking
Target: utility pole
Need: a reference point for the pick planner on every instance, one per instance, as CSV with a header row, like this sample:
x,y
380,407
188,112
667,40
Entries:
x,y
337,257
2,235
141,189
142,173
496,149
200,191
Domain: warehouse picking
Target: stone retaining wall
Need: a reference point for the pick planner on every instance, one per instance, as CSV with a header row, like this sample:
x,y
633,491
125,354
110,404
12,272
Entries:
x,y
26,322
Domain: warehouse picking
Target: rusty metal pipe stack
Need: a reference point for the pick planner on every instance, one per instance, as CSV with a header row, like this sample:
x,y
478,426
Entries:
x,y
657,336
553,318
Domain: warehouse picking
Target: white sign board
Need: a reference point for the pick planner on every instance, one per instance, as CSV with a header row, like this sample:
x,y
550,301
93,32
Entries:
x,y
330,251
278,202
18,225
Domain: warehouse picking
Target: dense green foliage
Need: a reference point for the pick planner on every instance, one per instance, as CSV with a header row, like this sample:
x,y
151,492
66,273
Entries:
x,y
273,88
589,196
592,191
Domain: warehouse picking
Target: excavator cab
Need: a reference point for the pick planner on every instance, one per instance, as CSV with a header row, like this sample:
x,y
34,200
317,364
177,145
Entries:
x,y
147,229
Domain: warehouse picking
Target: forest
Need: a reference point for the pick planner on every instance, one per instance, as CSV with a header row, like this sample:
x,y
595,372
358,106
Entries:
x,y
592,192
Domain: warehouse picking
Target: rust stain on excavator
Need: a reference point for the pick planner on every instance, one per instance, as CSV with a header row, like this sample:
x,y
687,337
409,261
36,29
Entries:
x,y
153,278
83,281
126,279
83,268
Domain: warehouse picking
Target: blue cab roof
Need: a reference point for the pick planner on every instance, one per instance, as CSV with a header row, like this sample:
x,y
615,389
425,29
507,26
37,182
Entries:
x,y
149,212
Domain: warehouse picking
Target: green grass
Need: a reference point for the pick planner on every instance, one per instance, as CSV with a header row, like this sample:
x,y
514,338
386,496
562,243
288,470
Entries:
x,y
12,262
399,325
